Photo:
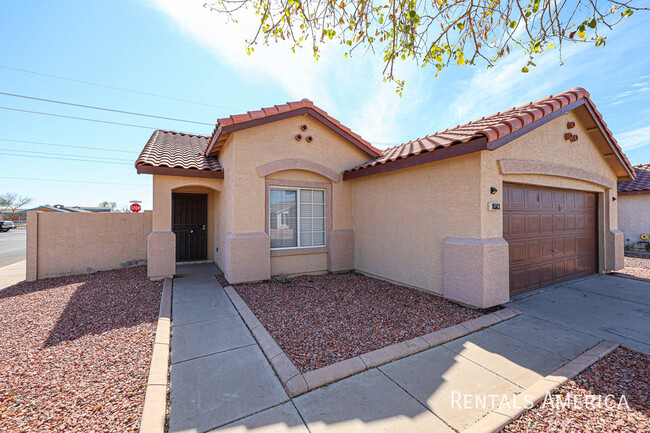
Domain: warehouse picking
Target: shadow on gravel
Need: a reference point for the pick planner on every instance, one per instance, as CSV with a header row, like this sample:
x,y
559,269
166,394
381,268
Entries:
x,y
106,301
101,302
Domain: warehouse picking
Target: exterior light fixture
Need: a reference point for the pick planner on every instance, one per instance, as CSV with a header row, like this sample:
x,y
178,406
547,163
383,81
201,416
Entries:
x,y
493,190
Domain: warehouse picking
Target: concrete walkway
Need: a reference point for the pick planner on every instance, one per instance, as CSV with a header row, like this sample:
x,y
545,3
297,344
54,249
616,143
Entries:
x,y
12,274
218,373
221,380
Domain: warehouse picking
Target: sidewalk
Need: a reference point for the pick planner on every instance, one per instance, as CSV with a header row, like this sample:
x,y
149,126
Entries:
x,y
12,274
221,380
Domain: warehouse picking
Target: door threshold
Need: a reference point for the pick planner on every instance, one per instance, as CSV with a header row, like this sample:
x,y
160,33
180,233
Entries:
x,y
195,262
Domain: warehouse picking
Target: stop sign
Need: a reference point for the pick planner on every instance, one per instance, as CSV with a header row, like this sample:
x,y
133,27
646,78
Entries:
x,y
135,207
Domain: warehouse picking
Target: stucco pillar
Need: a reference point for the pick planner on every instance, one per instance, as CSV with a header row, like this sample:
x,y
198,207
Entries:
x,y
247,257
340,251
476,271
31,271
161,254
616,257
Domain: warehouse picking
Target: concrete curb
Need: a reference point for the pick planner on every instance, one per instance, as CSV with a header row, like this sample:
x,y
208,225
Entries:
x,y
504,414
154,413
296,383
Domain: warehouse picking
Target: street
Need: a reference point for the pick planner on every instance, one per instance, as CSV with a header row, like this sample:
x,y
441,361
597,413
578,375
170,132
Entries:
x,y
12,246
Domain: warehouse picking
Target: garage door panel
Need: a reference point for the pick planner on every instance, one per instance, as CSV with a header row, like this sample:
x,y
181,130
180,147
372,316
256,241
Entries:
x,y
570,200
558,247
546,223
558,223
546,248
570,221
552,235
532,198
517,224
517,280
532,250
532,223
546,274
516,198
571,266
518,252
533,276
570,245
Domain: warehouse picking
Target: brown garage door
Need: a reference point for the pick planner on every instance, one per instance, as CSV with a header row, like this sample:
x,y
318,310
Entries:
x,y
551,233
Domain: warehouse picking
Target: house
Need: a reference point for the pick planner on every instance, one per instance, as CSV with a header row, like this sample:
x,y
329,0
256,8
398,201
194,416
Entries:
x,y
508,203
634,208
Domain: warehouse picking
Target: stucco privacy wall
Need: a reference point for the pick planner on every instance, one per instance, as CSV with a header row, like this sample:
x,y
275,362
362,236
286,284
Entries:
x,y
429,226
246,189
77,243
634,216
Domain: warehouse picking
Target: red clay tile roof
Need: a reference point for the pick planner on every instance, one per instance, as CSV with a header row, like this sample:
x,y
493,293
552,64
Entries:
x,y
491,128
642,181
269,114
178,150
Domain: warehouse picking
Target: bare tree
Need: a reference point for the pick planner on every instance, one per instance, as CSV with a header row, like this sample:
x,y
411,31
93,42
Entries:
x,y
13,202
432,32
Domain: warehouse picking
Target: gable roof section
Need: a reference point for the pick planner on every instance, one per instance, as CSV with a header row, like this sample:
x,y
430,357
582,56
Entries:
x,y
178,153
237,122
640,185
487,133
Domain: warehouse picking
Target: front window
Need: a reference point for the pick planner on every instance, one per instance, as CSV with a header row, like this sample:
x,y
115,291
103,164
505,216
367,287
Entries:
x,y
297,217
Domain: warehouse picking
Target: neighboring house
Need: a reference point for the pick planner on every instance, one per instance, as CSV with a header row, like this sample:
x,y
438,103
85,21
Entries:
x,y
508,203
634,207
20,215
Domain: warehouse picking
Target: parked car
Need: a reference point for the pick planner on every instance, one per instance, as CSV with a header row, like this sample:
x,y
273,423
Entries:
x,y
6,225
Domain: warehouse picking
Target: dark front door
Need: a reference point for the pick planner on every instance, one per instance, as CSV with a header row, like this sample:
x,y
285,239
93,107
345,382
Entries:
x,y
551,234
189,223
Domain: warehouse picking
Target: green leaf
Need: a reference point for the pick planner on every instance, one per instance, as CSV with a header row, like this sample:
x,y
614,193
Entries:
x,y
592,23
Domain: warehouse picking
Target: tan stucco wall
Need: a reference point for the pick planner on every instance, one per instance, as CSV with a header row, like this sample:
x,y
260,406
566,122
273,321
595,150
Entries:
x,y
634,216
403,217
78,243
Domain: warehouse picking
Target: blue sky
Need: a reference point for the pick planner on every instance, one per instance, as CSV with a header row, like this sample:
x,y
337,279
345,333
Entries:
x,y
180,50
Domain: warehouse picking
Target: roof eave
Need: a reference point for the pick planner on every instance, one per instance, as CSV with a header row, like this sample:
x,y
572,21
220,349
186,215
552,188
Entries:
x,y
459,149
367,148
174,171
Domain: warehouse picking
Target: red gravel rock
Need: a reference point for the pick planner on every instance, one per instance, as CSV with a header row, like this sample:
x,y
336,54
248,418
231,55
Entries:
x,y
623,372
637,265
321,319
76,351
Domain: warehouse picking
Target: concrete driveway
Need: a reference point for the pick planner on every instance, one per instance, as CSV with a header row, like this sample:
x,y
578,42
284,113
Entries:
x,y
12,246
604,306
220,379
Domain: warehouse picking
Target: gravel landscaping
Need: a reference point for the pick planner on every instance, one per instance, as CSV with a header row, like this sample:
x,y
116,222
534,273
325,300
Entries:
x,y
76,350
319,320
623,372
637,265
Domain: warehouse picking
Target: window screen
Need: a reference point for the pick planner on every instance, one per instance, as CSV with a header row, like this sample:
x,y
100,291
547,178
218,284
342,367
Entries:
x,y
297,217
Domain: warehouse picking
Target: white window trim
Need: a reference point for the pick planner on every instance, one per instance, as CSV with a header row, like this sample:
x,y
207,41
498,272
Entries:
x,y
297,189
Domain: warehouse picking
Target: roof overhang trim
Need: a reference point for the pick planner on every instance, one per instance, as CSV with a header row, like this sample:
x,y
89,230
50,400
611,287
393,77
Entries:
x,y
478,144
173,171
212,149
